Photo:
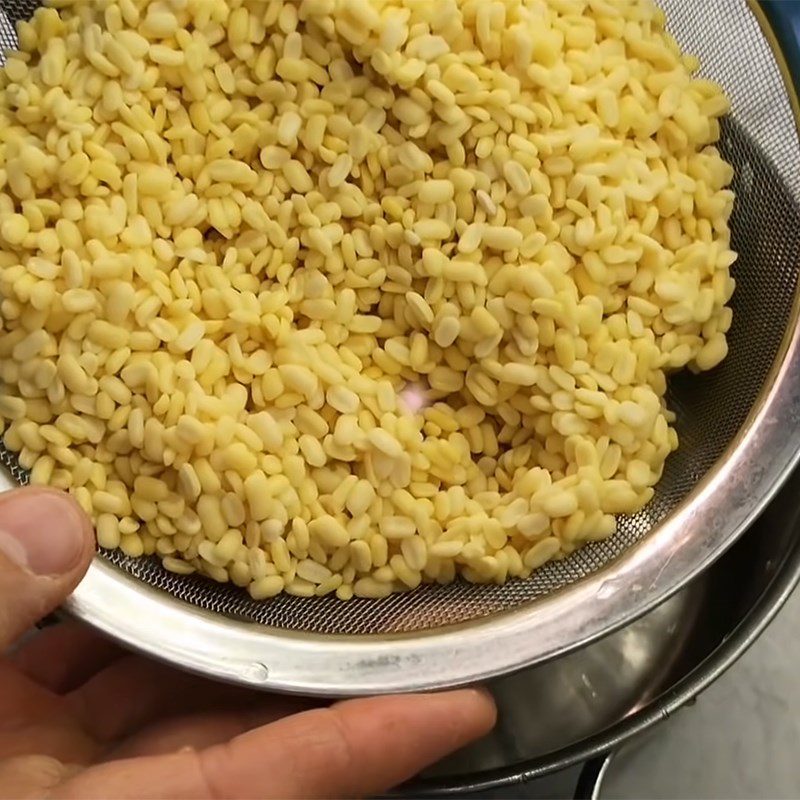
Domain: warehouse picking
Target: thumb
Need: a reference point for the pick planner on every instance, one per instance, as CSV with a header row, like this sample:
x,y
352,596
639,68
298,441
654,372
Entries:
x,y
46,545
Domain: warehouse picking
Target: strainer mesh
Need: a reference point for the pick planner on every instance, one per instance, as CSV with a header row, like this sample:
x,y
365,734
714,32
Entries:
x,y
760,141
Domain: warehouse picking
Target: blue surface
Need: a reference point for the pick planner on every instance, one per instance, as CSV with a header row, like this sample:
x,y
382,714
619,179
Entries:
x,y
784,18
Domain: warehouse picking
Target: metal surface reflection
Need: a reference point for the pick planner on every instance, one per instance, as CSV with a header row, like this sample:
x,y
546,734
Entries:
x,y
547,708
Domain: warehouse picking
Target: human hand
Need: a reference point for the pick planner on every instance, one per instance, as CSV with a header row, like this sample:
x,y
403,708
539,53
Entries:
x,y
81,718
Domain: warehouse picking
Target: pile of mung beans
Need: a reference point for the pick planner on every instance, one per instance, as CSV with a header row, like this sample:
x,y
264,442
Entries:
x,y
344,296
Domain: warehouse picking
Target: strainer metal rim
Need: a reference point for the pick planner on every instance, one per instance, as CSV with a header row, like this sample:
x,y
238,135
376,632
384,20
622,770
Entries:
x,y
705,524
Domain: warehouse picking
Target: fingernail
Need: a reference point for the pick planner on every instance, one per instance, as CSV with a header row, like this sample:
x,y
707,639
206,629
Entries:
x,y
40,531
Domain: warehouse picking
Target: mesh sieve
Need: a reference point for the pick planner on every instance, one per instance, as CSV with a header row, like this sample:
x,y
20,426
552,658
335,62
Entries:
x,y
760,140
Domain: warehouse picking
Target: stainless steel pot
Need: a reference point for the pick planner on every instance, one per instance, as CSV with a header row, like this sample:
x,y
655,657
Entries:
x,y
583,707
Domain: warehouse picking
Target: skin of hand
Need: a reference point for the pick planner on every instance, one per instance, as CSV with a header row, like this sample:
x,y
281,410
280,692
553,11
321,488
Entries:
x,y
82,718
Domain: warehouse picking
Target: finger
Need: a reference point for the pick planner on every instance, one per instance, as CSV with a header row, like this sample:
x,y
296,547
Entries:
x,y
64,657
195,732
135,691
34,720
200,731
31,776
53,735
46,544
21,698
354,749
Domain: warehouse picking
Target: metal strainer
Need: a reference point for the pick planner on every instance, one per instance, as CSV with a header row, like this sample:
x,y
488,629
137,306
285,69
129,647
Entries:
x,y
739,430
